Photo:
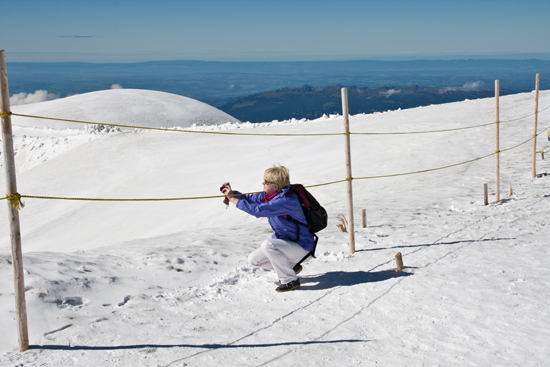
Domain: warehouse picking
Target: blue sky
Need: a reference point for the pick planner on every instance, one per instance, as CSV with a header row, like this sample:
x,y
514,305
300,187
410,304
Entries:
x,y
262,30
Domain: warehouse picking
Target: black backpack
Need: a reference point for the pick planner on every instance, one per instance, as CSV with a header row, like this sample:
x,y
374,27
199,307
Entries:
x,y
316,215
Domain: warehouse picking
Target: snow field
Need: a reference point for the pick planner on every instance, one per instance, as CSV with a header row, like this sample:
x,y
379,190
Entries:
x,y
167,284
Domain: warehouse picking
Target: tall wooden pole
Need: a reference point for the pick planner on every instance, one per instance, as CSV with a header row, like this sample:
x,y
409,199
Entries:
x,y
348,171
534,169
497,155
11,189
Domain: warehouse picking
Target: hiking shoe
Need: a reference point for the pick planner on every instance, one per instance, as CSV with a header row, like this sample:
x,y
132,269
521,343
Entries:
x,y
297,269
295,284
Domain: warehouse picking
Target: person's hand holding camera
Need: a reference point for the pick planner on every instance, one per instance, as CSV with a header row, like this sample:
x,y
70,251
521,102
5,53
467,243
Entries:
x,y
226,190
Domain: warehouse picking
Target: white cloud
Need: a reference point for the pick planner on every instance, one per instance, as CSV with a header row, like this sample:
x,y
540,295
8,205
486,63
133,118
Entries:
x,y
37,96
472,86
447,89
390,92
116,86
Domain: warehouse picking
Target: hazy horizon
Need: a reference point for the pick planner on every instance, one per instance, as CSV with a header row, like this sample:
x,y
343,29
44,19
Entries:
x,y
23,57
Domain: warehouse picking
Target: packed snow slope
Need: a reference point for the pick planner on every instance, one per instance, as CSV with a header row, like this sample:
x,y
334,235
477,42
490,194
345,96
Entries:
x,y
167,283
124,107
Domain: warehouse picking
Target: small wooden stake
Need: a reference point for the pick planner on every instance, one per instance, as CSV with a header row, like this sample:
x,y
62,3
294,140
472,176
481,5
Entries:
x,y
548,135
485,195
399,262
510,192
542,152
364,218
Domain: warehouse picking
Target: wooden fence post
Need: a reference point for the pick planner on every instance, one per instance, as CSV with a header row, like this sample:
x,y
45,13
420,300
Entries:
x,y
534,168
349,177
11,188
497,151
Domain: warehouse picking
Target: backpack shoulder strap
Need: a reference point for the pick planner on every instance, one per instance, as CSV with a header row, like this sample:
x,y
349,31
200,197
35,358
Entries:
x,y
312,253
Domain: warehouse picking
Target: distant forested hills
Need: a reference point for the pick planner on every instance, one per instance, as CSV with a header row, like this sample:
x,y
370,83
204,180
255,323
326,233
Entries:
x,y
313,102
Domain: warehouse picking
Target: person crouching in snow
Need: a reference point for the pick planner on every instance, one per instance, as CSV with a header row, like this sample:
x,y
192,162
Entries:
x,y
290,242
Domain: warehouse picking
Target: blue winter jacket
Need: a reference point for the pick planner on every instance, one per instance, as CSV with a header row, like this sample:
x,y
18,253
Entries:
x,y
272,210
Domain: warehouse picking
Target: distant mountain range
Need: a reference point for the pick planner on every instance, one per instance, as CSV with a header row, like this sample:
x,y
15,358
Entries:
x,y
296,89
313,102
217,83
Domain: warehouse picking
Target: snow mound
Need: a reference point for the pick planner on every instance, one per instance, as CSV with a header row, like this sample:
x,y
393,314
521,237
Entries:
x,y
134,107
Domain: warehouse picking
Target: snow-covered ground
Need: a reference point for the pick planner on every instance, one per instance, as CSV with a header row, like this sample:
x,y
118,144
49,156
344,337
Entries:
x,y
167,283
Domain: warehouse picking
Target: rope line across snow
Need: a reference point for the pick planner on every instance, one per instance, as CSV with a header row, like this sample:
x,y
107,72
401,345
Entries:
x,y
424,132
4,114
531,114
17,203
172,130
455,129
17,197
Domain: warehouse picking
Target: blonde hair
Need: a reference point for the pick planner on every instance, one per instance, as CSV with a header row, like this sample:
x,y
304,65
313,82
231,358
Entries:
x,y
278,175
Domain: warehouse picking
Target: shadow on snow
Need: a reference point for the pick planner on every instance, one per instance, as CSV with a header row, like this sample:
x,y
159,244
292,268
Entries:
x,y
434,244
343,279
200,346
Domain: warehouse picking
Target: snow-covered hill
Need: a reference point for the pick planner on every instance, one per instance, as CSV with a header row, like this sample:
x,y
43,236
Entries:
x,y
35,144
124,107
166,283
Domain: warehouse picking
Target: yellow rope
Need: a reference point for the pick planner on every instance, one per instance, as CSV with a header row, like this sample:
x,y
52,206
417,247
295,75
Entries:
x,y
4,114
439,168
526,141
325,184
453,165
426,170
18,197
226,133
171,130
524,117
159,199
15,201
221,196
446,130
424,132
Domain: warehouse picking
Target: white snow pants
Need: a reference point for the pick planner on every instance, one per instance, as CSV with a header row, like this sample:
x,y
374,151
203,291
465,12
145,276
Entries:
x,y
278,255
